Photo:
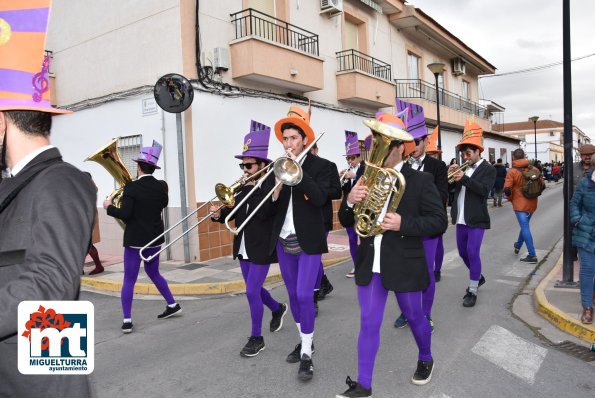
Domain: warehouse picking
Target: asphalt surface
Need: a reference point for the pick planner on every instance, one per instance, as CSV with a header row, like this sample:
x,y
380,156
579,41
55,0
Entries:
x,y
482,351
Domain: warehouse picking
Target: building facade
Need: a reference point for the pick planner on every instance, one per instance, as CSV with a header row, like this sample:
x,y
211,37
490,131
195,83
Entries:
x,y
247,60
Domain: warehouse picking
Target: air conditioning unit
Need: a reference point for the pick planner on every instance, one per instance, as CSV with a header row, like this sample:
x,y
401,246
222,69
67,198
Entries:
x,y
458,66
331,7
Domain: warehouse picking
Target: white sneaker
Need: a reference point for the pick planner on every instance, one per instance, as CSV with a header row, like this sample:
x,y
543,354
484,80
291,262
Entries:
x,y
351,273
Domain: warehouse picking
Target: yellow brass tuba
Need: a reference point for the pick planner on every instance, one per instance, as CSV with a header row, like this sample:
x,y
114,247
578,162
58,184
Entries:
x,y
110,159
379,179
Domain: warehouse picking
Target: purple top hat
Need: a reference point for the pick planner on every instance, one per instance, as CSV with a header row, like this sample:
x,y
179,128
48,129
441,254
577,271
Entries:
x,y
256,142
150,154
351,143
413,117
368,142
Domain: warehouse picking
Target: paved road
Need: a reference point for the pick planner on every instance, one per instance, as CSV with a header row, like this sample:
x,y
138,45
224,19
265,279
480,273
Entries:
x,y
481,351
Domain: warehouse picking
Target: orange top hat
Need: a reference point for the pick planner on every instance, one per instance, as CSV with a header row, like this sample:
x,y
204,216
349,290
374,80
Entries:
x,y
24,82
298,117
433,142
472,135
396,121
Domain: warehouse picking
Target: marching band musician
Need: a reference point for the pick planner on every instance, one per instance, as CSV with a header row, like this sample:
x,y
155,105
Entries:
x,y
395,260
250,246
349,177
299,232
142,205
470,210
420,161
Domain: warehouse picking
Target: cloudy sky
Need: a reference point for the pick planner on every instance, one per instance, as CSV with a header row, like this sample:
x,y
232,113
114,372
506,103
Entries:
x,y
514,35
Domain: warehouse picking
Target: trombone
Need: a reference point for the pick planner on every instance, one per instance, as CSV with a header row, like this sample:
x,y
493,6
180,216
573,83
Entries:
x,y
288,171
451,174
226,195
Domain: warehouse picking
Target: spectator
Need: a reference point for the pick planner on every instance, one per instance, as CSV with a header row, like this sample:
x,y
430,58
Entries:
x,y
499,183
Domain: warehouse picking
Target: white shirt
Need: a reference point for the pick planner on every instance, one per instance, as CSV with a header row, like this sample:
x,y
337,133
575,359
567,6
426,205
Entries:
x,y
378,238
461,199
25,161
242,250
288,227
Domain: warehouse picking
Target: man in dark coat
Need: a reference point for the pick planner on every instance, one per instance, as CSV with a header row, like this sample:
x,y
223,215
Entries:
x,y
499,182
394,261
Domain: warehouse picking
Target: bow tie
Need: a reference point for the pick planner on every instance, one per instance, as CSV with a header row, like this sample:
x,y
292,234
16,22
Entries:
x,y
415,162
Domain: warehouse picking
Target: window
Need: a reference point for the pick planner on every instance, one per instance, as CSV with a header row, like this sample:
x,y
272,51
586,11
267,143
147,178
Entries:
x,y
351,36
129,148
265,6
551,133
465,93
412,66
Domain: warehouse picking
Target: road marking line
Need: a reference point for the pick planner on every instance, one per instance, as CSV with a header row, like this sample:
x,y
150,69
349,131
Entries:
x,y
511,352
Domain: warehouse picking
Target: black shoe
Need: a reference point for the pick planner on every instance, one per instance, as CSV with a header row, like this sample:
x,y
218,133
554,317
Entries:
x,y
326,288
423,373
169,312
529,259
306,370
254,345
277,320
469,299
516,249
294,356
482,281
437,276
315,309
127,327
355,390
401,321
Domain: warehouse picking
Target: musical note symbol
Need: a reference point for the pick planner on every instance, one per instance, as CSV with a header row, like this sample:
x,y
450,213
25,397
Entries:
x,y
40,80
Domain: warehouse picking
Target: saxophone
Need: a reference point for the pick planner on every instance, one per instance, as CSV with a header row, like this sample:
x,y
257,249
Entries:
x,y
379,180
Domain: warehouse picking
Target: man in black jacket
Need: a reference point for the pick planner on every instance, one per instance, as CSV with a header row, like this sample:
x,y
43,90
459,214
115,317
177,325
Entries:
x,y
143,201
470,210
299,234
394,261
251,245
420,161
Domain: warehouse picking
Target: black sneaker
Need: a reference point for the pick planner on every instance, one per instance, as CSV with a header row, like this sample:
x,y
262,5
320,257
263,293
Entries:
x,y
325,289
315,309
482,280
423,373
429,318
469,299
516,249
294,356
254,345
127,327
401,321
169,312
437,276
355,390
277,320
529,259
306,370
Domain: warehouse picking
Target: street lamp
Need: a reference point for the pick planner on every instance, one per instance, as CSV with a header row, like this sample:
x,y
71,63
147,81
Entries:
x,y
437,68
534,120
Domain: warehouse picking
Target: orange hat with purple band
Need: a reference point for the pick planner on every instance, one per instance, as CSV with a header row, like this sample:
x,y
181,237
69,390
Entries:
x,y
472,135
298,117
433,142
24,67
396,121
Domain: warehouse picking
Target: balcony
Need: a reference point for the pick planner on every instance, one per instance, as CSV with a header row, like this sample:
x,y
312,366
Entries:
x,y
261,38
364,80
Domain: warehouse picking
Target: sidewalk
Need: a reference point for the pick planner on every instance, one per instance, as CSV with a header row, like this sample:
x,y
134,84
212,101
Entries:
x,y
561,306
221,275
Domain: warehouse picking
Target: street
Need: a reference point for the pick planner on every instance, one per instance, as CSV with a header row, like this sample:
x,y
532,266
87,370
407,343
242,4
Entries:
x,y
481,351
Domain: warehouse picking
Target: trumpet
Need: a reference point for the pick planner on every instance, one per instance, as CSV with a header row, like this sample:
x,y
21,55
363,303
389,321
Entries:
x,y
225,194
343,179
451,174
288,171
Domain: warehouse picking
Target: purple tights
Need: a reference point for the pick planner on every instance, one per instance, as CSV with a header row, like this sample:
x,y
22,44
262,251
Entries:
x,y
469,243
254,276
439,255
372,300
299,272
430,245
131,267
352,242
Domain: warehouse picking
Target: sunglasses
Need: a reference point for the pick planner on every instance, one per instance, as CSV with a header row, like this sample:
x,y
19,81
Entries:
x,y
418,140
246,165
350,157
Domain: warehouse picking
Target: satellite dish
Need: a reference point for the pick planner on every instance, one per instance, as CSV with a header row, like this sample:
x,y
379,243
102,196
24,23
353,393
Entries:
x,y
173,93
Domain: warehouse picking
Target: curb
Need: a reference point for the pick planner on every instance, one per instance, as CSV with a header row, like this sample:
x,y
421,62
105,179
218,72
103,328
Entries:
x,y
556,316
181,289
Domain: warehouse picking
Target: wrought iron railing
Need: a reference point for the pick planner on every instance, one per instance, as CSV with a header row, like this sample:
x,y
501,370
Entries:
x,y
354,60
416,88
250,22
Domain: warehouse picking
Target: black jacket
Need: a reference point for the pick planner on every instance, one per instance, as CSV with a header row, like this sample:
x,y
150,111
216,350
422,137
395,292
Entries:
x,y
500,176
142,203
403,265
309,198
257,233
334,192
478,187
437,168
348,185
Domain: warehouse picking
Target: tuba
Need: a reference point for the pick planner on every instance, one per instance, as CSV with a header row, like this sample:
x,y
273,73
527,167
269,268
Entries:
x,y
379,180
109,158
